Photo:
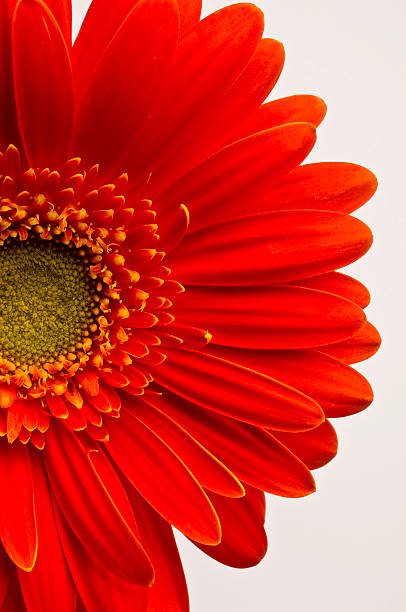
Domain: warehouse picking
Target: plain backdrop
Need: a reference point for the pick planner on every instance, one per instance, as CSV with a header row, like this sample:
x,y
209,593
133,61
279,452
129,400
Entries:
x,y
343,548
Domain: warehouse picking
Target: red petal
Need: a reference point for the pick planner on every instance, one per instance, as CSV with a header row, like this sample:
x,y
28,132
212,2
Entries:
x,y
89,509
315,448
42,83
254,455
208,470
14,601
125,82
5,573
237,392
270,247
285,110
339,389
190,11
274,317
169,591
18,530
112,484
237,180
340,284
99,589
100,24
172,232
8,116
209,59
363,344
62,11
162,478
249,90
324,186
49,585
244,542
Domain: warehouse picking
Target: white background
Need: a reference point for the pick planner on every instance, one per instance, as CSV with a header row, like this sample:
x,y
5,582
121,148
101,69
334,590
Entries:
x,y
343,548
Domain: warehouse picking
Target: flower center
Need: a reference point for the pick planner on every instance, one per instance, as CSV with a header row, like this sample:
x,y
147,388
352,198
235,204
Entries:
x,y
45,300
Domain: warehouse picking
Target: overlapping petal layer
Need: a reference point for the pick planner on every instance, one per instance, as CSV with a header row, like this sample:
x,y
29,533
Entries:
x,y
220,333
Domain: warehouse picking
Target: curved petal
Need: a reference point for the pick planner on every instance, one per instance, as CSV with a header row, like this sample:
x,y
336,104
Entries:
x,y
99,26
270,247
125,83
62,11
208,470
210,57
276,317
339,284
39,591
285,110
42,84
162,478
99,589
235,391
249,90
339,389
91,512
169,591
324,186
18,529
254,455
237,180
363,344
101,23
315,448
244,542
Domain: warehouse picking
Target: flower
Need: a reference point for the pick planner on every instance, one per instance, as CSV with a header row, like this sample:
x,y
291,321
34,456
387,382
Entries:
x,y
174,334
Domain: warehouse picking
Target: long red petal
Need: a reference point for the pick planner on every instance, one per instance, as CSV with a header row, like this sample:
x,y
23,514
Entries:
x,y
315,448
237,180
285,110
99,589
210,57
39,591
339,284
89,509
277,317
169,591
125,82
339,389
42,83
244,542
270,247
99,26
235,391
162,478
249,90
18,529
325,186
363,344
208,470
250,452
62,11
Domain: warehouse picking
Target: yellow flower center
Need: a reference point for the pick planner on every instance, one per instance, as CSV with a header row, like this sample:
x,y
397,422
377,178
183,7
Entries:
x,y
46,300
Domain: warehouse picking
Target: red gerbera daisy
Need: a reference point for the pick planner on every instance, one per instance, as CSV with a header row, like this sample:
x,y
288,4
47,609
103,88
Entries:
x,y
173,333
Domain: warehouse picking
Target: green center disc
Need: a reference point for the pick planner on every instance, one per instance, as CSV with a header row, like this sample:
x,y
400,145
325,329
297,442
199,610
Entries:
x,y
45,300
